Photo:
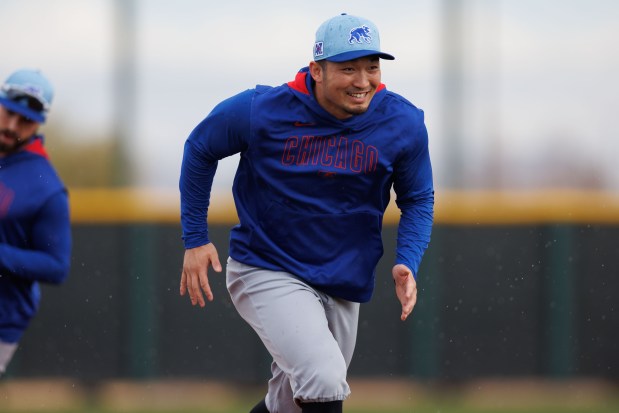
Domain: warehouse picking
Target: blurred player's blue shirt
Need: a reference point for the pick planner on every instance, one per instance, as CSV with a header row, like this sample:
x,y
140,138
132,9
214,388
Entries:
x,y
35,235
311,190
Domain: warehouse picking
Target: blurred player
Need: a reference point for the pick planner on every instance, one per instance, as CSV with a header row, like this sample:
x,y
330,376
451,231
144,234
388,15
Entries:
x,y
319,158
35,236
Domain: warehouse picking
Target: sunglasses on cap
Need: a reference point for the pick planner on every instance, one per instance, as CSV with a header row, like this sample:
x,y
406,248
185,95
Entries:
x,y
27,96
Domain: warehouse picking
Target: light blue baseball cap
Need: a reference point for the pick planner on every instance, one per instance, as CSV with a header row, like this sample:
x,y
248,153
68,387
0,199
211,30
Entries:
x,y
28,93
347,37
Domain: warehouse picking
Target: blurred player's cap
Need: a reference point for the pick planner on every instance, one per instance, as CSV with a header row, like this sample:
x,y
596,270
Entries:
x,y
347,37
28,93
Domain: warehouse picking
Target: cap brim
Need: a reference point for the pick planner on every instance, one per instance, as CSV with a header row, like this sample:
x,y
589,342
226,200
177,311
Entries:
x,y
24,111
356,54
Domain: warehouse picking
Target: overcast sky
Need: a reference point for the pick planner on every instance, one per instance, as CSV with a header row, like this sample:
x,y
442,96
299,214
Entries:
x,y
539,78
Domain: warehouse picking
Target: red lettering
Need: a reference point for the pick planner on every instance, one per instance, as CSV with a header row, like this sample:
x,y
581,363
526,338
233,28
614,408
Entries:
x,y
342,153
288,157
319,143
6,199
327,157
305,150
356,161
331,151
371,159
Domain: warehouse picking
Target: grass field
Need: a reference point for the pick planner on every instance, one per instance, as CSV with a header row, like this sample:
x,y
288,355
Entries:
x,y
369,396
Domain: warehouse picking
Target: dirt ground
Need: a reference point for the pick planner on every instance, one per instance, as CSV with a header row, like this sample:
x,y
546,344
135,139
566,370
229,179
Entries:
x,y
65,394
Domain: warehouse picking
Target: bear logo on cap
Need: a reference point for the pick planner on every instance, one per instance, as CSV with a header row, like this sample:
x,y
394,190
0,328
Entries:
x,y
360,33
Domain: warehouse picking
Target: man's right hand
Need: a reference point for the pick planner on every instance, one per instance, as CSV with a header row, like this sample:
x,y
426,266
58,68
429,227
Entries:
x,y
194,278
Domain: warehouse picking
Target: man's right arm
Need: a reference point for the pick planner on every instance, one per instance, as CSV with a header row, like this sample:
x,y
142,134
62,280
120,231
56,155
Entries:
x,y
222,133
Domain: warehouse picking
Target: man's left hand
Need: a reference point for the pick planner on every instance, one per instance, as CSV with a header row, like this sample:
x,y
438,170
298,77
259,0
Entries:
x,y
405,288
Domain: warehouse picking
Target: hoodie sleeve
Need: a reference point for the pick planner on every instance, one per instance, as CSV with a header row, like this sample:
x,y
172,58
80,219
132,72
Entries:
x,y
222,133
48,260
415,199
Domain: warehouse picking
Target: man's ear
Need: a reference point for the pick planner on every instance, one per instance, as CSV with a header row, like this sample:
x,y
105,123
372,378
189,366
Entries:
x,y
315,70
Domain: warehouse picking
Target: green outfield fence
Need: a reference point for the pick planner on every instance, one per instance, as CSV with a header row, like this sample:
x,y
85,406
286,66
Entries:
x,y
514,284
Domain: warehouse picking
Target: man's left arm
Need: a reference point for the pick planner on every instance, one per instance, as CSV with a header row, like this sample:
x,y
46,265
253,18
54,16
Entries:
x,y
48,259
415,199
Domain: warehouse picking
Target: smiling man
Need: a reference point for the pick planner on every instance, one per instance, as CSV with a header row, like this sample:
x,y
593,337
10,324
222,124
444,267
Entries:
x,y
319,158
35,236
346,88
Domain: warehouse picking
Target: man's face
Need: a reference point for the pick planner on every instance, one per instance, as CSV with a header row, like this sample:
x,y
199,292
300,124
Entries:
x,y
346,89
15,130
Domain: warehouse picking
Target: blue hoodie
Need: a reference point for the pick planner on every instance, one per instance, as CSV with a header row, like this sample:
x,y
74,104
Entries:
x,y
35,235
310,189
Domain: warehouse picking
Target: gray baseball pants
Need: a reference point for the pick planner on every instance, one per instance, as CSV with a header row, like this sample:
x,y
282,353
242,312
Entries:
x,y
310,335
6,353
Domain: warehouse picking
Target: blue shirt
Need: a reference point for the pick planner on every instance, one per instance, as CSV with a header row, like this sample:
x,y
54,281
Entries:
x,y
310,189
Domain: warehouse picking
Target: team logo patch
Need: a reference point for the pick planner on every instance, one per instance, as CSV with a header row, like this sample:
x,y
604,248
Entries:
x,y
360,34
318,49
